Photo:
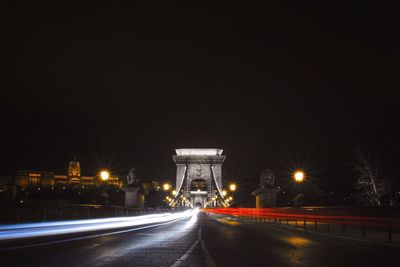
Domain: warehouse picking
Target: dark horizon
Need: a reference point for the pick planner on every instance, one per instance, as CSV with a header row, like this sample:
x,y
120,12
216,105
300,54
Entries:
x,y
275,86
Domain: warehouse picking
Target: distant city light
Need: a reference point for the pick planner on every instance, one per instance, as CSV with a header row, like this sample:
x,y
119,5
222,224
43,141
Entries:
x,y
224,193
166,186
174,192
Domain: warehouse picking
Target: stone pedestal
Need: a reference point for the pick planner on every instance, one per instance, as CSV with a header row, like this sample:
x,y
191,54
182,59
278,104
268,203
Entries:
x,y
134,197
266,198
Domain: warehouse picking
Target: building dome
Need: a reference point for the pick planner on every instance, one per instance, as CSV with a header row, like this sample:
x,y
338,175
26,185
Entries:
x,y
74,163
74,168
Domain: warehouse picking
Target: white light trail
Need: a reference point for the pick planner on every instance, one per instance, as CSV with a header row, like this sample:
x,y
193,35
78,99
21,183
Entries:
x,y
15,231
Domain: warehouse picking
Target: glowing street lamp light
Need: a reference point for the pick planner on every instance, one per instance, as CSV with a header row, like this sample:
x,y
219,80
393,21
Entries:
x,y
104,175
224,193
174,192
298,176
232,187
166,186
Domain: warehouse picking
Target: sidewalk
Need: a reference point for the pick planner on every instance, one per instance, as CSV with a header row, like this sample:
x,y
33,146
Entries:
x,y
365,233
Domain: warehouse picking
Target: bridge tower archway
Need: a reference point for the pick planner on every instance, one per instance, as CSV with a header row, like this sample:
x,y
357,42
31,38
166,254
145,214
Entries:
x,y
199,177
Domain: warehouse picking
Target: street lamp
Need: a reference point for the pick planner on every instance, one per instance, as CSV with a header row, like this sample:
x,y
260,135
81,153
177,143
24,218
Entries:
x,y
174,192
104,175
224,193
232,187
298,176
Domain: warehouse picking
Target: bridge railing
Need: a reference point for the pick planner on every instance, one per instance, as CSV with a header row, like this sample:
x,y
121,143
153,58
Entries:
x,y
356,222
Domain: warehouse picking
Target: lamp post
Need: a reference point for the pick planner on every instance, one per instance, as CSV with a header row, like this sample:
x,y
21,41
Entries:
x,y
166,187
232,187
104,176
298,177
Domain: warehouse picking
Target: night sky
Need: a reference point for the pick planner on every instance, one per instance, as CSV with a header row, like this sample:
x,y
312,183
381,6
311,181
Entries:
x,y
276,86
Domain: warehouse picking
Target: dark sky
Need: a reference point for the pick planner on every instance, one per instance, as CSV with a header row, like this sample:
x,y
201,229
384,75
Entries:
x,y
277,86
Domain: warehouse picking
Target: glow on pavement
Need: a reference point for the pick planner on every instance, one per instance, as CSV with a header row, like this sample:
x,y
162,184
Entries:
x,y
68,227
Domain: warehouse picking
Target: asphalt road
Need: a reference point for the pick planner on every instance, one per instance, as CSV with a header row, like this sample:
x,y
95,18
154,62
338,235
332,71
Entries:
x,y
201,241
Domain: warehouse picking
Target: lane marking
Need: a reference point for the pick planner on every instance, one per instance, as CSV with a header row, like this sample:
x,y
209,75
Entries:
x,y
209,261
182,259
87,237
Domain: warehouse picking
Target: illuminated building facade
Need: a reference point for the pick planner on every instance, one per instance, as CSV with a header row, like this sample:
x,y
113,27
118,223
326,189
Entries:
x,y
73,177
74,172
34,178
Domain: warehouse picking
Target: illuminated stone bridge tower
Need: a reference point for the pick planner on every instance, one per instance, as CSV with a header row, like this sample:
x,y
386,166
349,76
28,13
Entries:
x,y
199,178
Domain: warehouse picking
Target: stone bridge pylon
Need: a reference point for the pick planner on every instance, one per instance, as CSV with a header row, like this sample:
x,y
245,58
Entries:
x,y
199,178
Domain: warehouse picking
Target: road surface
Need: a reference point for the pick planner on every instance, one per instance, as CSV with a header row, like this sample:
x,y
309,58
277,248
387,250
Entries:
x,y
202,240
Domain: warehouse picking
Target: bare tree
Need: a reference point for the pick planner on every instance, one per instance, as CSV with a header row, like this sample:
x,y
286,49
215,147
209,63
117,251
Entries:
x,y
371,185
